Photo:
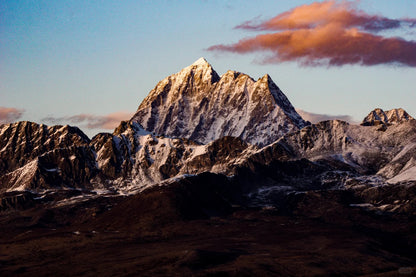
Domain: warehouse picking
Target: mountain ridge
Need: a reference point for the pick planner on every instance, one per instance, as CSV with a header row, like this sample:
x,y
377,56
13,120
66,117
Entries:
x,y
132,159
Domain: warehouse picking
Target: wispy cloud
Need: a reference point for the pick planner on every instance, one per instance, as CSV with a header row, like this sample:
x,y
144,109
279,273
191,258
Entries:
x,y
315,117
90,121
8,115
332,33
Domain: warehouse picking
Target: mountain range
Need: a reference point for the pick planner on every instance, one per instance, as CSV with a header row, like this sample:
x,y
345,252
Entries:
x,y
216,143
195,121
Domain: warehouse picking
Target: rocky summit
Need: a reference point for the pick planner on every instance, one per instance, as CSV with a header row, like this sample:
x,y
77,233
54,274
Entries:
x,y
197,104
200,181
378,116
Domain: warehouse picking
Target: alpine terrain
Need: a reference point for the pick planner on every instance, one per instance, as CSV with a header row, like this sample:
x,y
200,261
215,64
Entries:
x,y
212,176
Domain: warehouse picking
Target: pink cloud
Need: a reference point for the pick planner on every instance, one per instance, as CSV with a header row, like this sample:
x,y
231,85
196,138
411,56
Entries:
x,y
90,121
327,33
327,12
8,115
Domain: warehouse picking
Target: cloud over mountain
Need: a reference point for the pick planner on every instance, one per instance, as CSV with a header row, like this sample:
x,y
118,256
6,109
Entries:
x,y
315,117
8,115
332,33
90,121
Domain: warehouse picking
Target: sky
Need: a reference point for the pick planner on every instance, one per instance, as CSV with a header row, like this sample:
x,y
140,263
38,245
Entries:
x,y
90,63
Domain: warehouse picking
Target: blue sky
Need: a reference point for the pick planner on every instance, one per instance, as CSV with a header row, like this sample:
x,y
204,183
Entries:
x,y
60,59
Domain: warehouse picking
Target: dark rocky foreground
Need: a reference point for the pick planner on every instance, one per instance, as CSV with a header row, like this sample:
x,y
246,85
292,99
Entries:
x,y
195,227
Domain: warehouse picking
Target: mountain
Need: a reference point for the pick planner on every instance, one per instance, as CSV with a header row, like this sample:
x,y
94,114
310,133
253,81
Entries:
x,y
197,104
378,116
132,159
37,157
365,149
23,141
328,155
40,158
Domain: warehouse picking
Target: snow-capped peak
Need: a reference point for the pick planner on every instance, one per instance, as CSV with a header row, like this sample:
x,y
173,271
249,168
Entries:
x,y
200,70
197,104
201,62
